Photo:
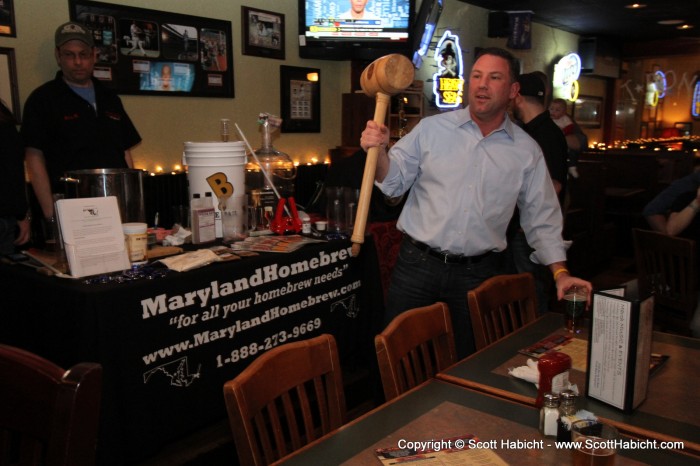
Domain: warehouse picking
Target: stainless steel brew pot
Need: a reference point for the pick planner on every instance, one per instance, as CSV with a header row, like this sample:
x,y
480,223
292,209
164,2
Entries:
x,y
124,183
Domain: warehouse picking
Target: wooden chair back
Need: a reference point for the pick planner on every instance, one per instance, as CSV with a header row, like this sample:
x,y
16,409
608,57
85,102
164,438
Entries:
x,y
288,397
48,416
667,267
500,305
415,346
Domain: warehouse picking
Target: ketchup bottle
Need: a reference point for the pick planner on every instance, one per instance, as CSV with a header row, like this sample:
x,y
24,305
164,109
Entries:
x,y
554,374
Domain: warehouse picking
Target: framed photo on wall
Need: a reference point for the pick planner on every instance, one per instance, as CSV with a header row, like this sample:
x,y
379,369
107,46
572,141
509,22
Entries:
x,y
263,33
588,111
153,52
300,97
9,93
7,18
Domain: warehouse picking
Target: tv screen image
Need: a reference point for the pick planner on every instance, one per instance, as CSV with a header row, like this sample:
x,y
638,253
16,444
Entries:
x,y
347,29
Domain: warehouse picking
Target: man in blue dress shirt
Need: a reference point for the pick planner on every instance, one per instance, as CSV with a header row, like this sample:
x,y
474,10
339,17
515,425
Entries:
x,y
467,170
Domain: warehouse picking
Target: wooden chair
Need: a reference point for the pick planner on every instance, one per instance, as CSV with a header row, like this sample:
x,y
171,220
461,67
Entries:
x,y
415,346
286,398
667,266
500,305
48,416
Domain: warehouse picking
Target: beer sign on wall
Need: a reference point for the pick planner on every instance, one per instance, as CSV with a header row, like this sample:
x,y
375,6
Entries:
x,y
566,73
656,89
448,82
695,106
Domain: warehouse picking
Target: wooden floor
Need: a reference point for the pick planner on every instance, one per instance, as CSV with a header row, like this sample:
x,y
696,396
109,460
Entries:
x,y
214,446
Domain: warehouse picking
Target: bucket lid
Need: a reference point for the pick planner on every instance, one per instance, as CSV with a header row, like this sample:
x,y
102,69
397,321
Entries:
x,y
214,145
134,228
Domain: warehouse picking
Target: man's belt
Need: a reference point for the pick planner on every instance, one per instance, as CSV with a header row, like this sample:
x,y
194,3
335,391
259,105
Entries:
x,y
447,257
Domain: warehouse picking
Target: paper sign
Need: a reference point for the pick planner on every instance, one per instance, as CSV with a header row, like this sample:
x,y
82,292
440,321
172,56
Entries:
x,y
92,233
619,351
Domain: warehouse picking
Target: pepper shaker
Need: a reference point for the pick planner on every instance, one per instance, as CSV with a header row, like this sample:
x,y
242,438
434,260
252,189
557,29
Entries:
x,y
567,415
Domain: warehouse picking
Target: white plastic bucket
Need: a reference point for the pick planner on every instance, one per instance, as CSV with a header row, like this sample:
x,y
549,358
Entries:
x,y
216,167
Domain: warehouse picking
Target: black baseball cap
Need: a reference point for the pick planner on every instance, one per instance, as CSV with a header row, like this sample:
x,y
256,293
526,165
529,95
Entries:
x,y
73,31
531,85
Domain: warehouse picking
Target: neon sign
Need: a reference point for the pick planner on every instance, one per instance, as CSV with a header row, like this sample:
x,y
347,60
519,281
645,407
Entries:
x,y
566,73
660,83
652,95
695,106
448,82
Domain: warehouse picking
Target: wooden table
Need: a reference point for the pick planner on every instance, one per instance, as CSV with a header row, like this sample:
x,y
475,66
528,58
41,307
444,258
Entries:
x,y
440,410
670,411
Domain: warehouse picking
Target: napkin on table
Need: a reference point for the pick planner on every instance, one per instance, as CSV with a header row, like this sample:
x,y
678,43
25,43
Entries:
x,y
528,372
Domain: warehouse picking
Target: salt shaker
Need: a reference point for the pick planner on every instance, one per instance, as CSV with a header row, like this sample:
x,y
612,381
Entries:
x,y
549,415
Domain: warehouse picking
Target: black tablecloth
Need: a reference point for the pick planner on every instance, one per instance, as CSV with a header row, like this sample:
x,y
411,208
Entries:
x,y
167,345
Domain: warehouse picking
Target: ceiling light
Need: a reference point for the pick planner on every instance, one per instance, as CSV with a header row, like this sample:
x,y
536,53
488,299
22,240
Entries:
x,y
670,22
684,27
635,6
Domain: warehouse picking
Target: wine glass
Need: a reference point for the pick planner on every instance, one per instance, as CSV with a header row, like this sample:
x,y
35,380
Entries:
x,y
575,300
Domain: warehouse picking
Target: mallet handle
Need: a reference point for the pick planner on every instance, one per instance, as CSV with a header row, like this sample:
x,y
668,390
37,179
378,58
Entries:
x,y
358,232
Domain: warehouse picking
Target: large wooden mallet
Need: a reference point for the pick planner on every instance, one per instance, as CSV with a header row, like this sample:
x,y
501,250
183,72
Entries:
x,y
383,78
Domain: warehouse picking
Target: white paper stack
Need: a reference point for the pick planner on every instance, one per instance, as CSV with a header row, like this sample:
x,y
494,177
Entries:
x,y
92,233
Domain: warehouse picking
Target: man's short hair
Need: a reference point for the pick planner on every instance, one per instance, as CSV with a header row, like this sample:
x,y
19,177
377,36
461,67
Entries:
x,y
513,63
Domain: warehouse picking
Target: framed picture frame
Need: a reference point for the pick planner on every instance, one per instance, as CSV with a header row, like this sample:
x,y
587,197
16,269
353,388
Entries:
x,y
150,52
9,92
588,111
7,18
263,33
684,128
300,97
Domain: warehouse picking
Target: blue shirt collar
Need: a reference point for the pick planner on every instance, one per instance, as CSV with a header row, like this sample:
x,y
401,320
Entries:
x,y
465,117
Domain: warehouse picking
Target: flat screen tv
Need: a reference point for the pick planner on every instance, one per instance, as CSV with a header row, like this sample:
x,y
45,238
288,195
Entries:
x,y
328,31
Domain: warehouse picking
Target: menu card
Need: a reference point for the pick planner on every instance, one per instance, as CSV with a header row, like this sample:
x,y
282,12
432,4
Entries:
x,y
92,233
619,349
448,452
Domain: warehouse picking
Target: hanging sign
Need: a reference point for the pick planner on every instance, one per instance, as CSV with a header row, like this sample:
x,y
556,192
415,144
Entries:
x,y
566,73
448,82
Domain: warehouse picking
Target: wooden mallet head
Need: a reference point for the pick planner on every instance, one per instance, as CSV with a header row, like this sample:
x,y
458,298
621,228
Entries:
x,y
381,79
389,75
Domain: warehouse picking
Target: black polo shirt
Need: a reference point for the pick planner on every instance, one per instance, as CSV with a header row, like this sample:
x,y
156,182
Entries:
x,y
553,144
72,134
13,198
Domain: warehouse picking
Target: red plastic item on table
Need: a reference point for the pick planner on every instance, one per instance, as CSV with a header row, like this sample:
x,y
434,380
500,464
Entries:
x,y
285,225
554,369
